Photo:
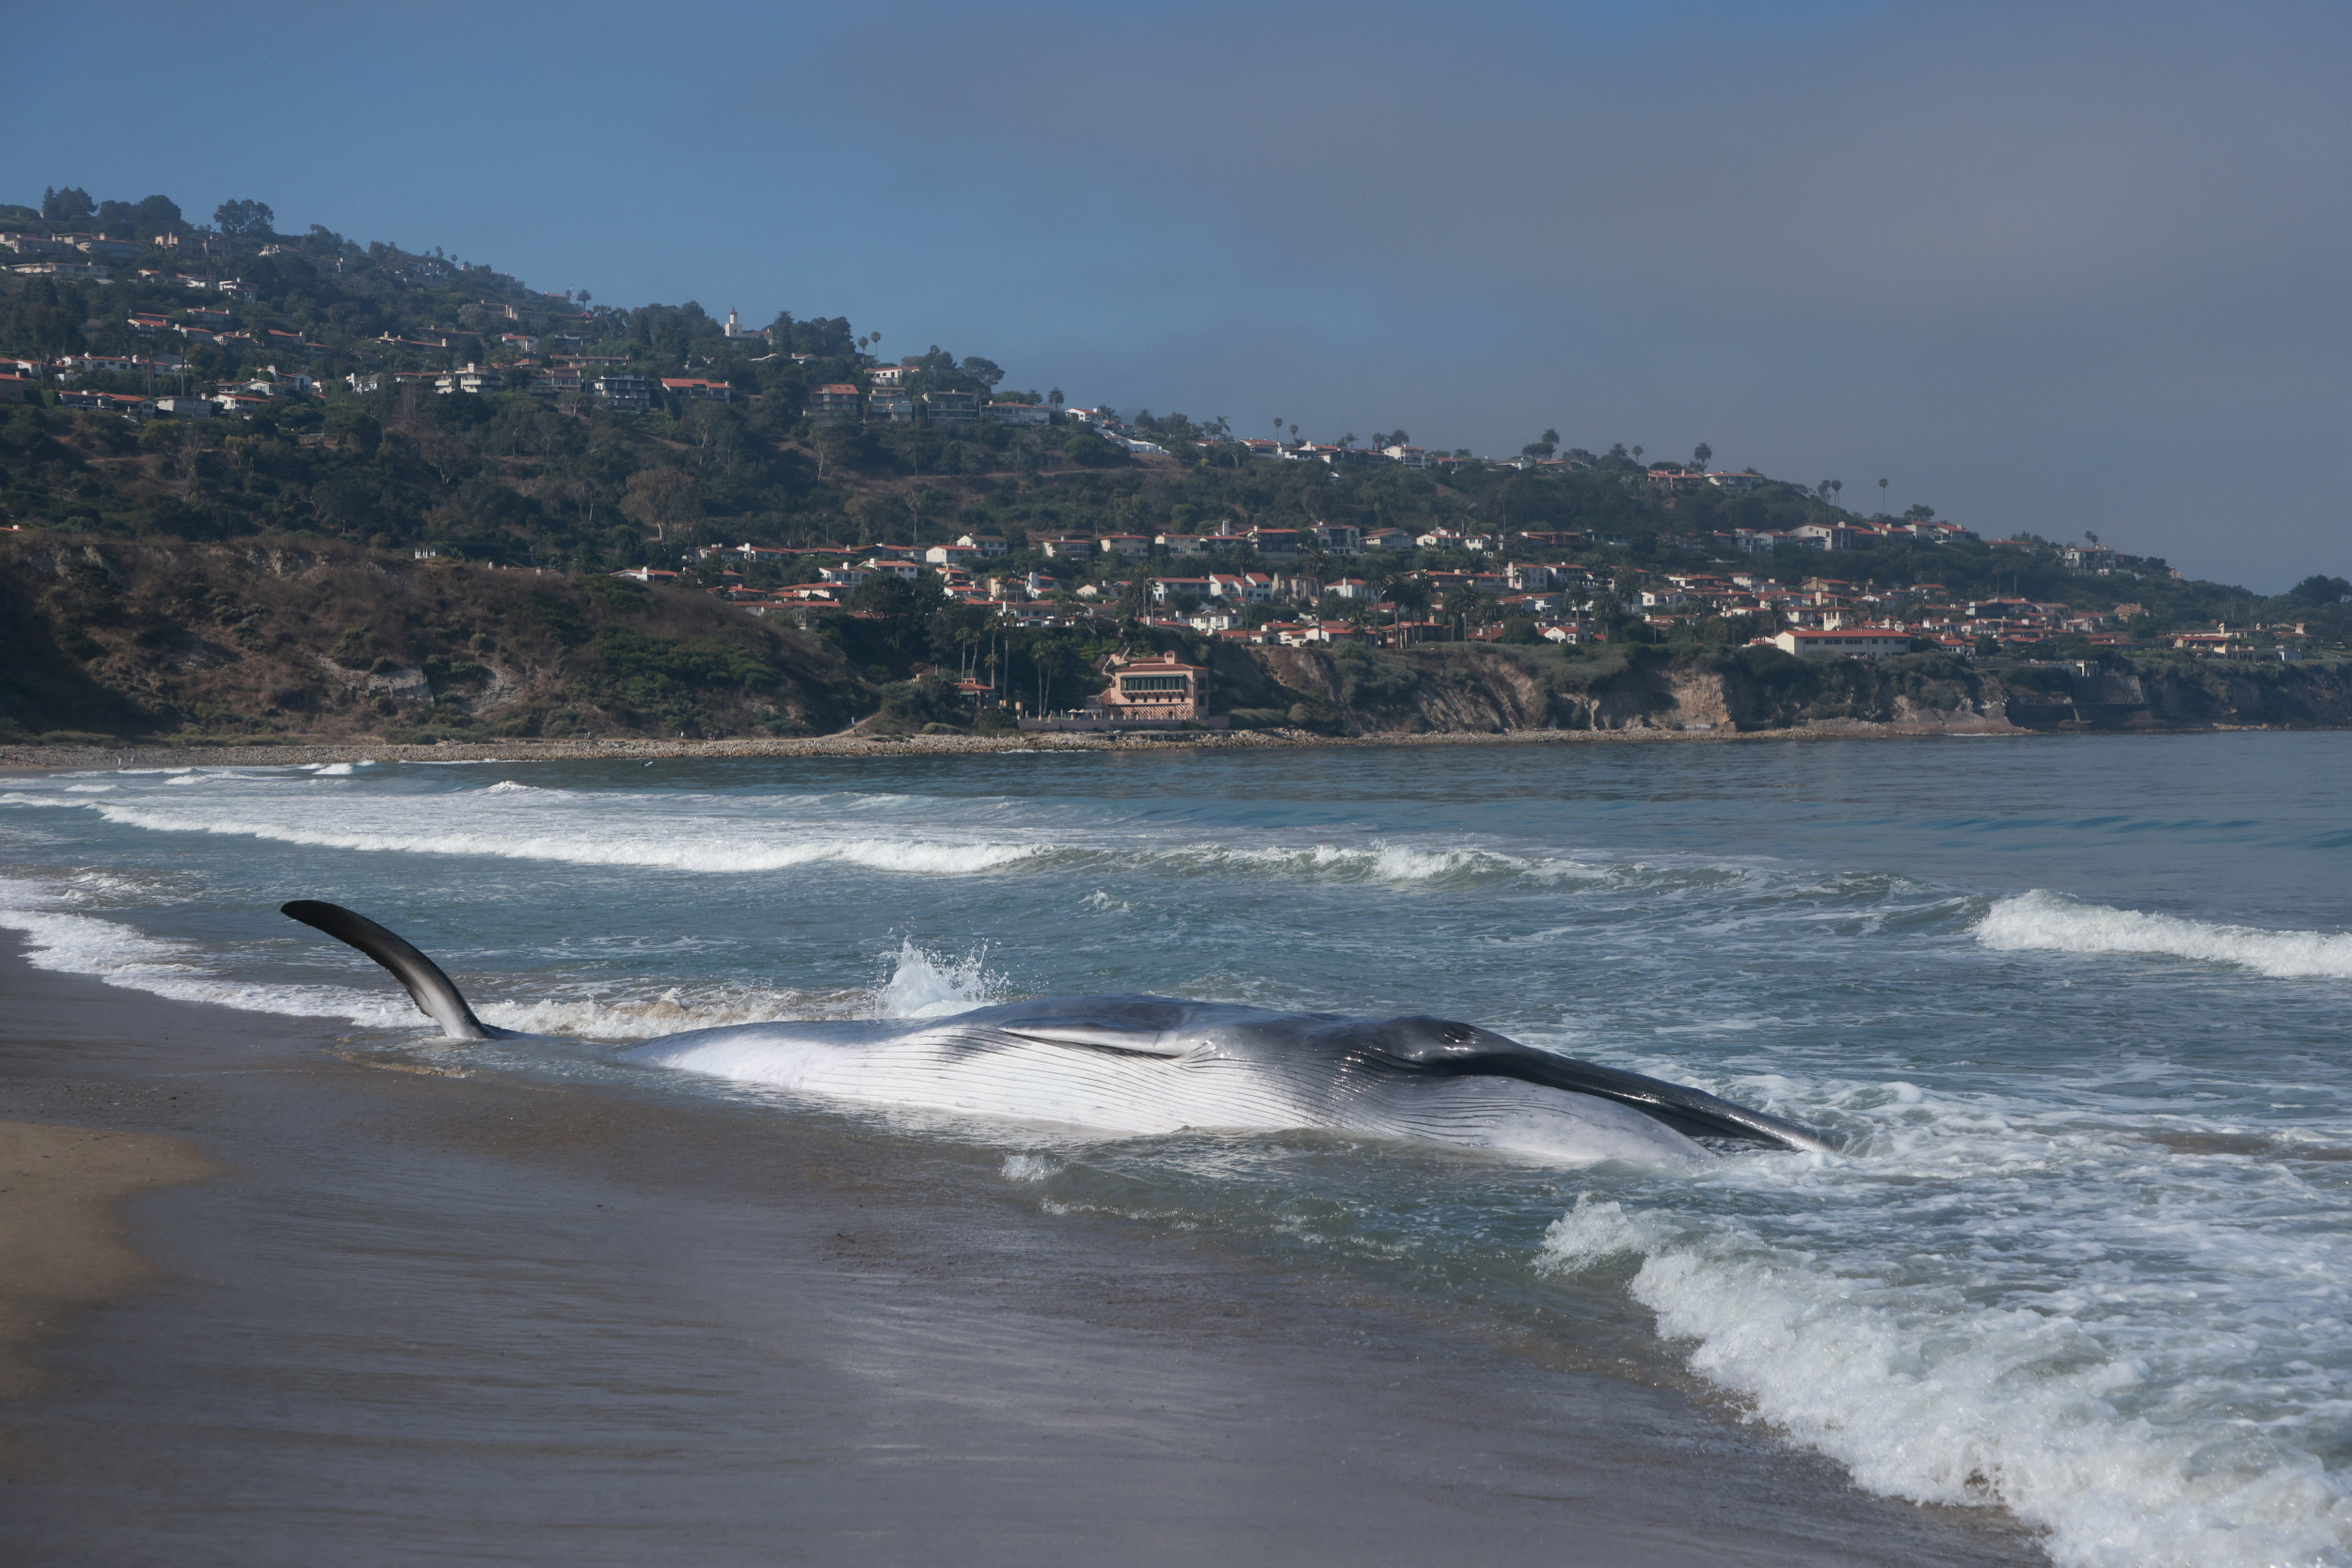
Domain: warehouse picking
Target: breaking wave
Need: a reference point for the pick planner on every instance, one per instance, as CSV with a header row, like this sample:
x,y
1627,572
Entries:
x,y
2052,922
2094,1401
921,984
615,845
72,943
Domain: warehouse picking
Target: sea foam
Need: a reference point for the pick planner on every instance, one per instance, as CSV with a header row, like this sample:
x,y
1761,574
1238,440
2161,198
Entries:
x,y
2052,922
1922,1396
605,844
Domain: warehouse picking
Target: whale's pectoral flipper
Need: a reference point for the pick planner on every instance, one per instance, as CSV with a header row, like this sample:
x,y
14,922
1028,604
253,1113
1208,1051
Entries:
x,y
434,995
1438,1046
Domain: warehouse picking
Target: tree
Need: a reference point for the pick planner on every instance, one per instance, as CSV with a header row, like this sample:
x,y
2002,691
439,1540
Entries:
x,y
986,371
70,205
659,497
1882,494
157,215
1700,457
1544,444
244,220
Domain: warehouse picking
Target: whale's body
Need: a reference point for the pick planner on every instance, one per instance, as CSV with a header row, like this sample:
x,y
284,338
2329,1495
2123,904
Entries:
x,y
1153,1065
1142,1065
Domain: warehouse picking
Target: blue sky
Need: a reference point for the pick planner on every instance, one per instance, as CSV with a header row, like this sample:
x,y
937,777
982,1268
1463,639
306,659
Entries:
x,y
2058,266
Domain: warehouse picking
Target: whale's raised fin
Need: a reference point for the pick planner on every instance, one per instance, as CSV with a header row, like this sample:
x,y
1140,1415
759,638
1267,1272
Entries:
x,y
1435,1045
434,995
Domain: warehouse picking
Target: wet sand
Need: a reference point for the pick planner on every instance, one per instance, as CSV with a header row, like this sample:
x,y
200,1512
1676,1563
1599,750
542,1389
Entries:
x,y
423,1317
61,1247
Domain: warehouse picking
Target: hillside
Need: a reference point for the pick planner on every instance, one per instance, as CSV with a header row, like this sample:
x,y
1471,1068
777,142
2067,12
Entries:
x,y
282,643
257,483
215,641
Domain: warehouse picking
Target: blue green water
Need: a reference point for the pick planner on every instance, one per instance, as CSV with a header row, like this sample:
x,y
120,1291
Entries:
x,y
2077,1005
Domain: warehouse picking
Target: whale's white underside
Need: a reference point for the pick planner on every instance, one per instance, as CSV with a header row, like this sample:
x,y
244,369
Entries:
x,y
1140,1087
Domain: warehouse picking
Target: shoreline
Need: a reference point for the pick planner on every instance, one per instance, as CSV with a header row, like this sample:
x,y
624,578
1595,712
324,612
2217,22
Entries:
x,y
63,1246
497,1317
24,758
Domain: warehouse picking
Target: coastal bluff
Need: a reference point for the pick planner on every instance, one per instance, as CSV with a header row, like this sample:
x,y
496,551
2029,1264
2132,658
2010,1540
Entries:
x,y
255,646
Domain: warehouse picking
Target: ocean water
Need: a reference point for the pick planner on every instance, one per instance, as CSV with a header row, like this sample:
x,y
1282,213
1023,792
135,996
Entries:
x,y
2076,1007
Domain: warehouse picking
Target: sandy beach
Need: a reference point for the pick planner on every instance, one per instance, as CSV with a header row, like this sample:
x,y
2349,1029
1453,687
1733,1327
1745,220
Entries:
x,y
431,1318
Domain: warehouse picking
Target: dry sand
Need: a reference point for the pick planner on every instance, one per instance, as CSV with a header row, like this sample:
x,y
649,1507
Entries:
x,y
61,1243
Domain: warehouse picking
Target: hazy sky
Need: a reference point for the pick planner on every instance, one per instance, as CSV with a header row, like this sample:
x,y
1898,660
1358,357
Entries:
x,y
2047,266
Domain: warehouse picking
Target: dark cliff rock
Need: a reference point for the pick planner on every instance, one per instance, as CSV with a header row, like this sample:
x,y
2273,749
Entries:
x,y
1488,690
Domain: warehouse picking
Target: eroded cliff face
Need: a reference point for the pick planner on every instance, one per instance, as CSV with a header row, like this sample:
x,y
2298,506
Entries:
x,y
1488,691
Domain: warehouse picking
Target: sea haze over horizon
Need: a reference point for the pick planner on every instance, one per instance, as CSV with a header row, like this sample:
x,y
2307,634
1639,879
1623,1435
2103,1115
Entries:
x,y
2075,1007
2058,267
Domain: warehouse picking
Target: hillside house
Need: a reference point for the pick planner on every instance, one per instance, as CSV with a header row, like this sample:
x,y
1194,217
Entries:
x,y
632,393
1155,686
1845,642
832,403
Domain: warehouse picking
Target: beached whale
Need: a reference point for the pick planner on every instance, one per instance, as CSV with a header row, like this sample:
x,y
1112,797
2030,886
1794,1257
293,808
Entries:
x,y
1151,1064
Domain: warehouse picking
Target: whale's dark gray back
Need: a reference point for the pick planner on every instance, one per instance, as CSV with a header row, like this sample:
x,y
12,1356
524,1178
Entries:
x,y
1311,1050
1411,1046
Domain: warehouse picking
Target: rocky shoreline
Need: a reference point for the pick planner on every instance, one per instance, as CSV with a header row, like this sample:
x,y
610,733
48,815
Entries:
x,y
852,744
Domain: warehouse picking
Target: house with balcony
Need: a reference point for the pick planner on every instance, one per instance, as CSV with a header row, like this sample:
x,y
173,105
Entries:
x,y
832,404
950,407
1154,687
632,393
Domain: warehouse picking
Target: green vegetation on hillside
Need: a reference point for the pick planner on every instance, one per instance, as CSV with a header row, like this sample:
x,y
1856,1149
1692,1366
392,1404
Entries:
x,y
360,464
